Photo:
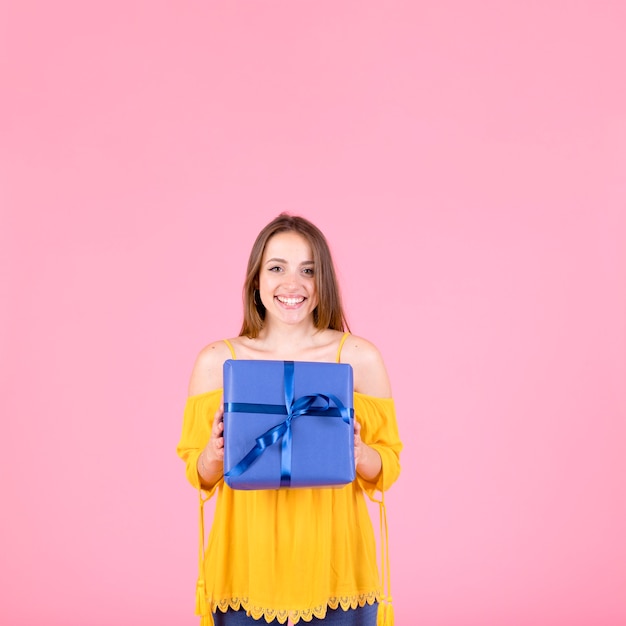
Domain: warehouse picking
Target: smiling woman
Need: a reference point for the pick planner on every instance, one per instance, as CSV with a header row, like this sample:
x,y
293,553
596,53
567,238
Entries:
x,y
292,553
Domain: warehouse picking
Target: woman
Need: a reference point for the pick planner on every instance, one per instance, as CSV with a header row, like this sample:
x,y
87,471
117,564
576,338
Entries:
x,y
298,554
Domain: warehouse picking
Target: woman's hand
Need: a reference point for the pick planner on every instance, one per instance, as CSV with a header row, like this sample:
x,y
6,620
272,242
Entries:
x,y
366,460
211,460
214,450
358,443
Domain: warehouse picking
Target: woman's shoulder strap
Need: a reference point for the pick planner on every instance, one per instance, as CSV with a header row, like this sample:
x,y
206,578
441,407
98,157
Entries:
x,y
343,340
230,347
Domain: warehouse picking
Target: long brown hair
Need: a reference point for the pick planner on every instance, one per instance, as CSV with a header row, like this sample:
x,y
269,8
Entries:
x,y
329,311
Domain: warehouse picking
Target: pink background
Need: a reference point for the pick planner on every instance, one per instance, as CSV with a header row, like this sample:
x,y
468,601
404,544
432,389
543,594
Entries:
x,y
467,161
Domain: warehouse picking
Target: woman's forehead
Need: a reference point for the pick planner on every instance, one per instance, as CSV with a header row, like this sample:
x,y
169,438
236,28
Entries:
x,y
288,244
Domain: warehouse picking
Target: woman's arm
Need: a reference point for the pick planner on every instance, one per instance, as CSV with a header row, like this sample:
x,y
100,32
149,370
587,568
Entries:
x,y
210,464
370,378
207,376
367,460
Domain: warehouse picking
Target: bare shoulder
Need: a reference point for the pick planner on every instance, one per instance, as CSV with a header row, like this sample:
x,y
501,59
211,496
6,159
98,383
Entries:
x,y
370,374
208,368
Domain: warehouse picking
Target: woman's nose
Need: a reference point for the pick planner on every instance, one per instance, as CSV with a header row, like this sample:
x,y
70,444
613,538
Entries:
x,y
291,279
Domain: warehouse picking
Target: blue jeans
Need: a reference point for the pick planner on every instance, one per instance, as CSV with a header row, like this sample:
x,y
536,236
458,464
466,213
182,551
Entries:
x,y
361,616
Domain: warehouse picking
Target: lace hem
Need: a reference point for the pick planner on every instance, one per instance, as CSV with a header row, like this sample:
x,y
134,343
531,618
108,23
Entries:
x,y
282,615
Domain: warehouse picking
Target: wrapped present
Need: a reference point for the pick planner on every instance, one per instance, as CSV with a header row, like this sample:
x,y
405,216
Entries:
x,y
288,424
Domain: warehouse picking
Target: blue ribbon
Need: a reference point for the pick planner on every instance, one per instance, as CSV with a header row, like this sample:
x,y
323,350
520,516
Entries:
x,y
293,409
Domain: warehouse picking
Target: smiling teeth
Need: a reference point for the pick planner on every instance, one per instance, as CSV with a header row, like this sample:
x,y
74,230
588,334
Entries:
x,y
291,300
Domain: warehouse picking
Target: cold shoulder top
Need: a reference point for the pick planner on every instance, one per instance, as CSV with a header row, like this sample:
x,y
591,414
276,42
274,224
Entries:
x,y
290,553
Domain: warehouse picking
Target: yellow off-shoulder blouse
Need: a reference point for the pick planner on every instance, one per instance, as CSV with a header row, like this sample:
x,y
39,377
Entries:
x,y
290,553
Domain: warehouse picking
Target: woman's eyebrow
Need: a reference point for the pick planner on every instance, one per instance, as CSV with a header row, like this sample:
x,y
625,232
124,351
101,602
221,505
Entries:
x,y
277,260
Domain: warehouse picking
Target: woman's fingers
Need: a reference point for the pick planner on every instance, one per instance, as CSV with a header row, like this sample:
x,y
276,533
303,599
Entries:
x,y
215,447
357,442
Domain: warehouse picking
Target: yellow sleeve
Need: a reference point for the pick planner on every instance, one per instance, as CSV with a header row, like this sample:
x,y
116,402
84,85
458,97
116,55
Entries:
x,y
197,421
379,430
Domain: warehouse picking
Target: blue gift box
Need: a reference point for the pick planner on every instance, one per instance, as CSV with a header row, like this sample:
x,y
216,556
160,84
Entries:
x,y
288,424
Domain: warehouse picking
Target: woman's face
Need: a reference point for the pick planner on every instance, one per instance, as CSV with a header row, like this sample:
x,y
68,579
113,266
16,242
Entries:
x,y
287,279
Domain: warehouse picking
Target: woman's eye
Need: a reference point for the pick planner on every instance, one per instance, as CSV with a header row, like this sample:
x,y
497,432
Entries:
x,y
308,270
276,268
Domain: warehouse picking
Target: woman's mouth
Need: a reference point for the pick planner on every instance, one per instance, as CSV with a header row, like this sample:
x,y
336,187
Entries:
x,y
290,301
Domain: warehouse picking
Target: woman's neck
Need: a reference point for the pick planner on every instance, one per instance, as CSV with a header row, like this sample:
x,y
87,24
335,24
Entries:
x,y
277,334
292,342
